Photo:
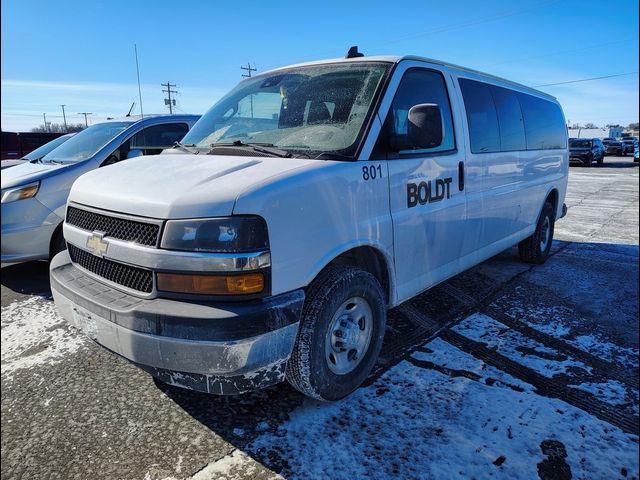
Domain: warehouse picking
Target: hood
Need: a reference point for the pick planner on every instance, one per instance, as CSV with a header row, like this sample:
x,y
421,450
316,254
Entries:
x,y
178,186
28,172
11,163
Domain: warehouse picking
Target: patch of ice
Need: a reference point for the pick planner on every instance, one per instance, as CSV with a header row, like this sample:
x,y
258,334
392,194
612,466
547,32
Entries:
x,y
514,345
419,423
235,466
33,333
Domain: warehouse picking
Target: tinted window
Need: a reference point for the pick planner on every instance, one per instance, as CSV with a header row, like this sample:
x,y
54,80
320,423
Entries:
x,y
543,123
482,117
159,136
421,86
510,120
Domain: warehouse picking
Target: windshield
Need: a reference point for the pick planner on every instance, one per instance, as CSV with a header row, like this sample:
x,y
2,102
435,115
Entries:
x,y
304,110
46,148
579,143
84,144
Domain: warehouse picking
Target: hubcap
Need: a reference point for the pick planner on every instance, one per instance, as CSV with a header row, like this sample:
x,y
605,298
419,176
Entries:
x,y
348,336
546,232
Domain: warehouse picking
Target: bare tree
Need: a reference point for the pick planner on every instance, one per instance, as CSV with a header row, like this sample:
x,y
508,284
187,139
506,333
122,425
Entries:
x,y
59,128
590,125
633,126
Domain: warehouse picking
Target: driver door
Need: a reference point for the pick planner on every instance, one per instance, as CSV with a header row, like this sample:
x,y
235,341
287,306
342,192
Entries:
x,y
427,196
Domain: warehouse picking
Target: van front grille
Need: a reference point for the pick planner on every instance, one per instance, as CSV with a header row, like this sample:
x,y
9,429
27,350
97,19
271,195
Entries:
x,y
116,227
128,276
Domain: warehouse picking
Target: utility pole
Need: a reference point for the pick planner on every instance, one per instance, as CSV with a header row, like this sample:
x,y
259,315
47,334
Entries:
x,y
46,126
249,69
86,124
138,72
64,117
169,101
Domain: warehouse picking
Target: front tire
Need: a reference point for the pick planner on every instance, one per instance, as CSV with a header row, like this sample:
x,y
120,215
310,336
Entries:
x,y
535,249
58,244
340,334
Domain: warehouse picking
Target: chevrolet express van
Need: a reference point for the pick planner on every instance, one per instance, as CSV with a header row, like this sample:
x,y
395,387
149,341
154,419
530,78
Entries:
x,y
308,201
34,195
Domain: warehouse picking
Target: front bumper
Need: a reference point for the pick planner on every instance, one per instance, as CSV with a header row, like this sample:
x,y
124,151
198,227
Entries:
x,y
222,348
582,159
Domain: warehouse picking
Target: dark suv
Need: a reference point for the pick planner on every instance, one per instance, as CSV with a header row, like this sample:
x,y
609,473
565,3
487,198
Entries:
x,y
585,151
629,144
613,147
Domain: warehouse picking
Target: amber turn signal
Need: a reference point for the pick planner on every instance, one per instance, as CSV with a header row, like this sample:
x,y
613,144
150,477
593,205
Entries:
x,y
211,284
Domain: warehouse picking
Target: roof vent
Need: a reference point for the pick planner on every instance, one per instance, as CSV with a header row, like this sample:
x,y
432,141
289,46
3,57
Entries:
x,y
354,53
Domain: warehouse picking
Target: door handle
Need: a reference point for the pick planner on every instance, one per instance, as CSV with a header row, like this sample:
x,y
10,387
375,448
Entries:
x,y
460,176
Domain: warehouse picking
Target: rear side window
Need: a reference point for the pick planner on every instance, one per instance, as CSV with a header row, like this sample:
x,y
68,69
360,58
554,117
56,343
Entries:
x,y
421,86
482,118
505,120
158,137
543,123
510,121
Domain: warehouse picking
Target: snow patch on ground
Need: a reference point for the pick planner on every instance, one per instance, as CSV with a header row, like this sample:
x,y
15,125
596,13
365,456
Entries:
x,y
33,333
604,350
417,422
611,392
517,347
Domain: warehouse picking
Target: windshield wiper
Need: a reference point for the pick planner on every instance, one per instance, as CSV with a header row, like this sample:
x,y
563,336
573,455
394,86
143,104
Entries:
x,y
268,148
55,161
186,148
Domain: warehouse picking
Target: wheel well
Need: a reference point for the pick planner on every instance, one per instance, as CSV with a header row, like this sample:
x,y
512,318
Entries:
x,y
553,198
54,237
368,259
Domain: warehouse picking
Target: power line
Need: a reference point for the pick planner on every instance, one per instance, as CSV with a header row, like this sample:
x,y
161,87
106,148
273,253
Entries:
x,y
169,101
585,79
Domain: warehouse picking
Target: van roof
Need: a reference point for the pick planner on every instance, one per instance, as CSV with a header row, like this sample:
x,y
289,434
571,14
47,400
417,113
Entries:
x,y
397,59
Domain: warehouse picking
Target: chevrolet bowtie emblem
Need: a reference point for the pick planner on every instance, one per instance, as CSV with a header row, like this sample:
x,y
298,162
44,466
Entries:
x,y
97,244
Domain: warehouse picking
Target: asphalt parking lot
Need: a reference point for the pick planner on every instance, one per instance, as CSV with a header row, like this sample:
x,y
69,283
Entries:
x,y
505,371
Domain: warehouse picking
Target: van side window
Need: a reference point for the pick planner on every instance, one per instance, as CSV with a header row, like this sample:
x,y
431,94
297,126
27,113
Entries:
x,y
543,123
482,117
510,121
421,86
155,138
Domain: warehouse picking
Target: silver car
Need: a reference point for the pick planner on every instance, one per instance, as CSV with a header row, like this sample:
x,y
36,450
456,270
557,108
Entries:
x,y
34,194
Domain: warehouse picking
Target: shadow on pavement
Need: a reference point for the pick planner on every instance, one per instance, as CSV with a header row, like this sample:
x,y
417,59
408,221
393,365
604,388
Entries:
x,y
28,278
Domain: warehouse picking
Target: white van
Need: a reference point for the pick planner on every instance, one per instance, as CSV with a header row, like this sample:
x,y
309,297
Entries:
x,y
314,198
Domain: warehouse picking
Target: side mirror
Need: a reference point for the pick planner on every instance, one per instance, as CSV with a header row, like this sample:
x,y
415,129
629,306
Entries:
x,y
134,153
424,129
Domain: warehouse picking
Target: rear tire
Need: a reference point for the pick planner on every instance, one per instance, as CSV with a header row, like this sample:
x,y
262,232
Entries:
x,y
535,249
340,334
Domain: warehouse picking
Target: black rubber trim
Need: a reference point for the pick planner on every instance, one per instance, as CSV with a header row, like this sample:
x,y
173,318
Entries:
x,y
184,319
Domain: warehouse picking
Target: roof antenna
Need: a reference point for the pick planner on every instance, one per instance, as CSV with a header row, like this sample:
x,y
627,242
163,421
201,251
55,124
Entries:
x,y
354,53
131,109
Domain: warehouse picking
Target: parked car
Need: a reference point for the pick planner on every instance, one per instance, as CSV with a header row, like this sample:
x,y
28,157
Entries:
x,y
629,144
585,151
34,194
315,197
613,147
37,154
635,153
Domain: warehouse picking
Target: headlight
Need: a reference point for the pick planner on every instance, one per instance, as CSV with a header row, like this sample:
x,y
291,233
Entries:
x,y
20,193
224,234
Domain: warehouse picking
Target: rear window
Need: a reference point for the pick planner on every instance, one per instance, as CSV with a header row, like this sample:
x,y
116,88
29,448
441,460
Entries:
x,y
580,143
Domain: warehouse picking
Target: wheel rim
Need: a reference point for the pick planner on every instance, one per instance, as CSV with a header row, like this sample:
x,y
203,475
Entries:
x,y
545,234
348,336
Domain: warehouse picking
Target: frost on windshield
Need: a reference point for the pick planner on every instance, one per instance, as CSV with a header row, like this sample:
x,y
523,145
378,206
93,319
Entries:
x,y
319,108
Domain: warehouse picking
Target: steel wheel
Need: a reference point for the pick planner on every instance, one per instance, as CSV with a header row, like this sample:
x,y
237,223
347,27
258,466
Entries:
x,y
545,231
348,336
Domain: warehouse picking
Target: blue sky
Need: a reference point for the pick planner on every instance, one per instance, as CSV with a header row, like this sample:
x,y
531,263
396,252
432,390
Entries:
x,y
80,53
